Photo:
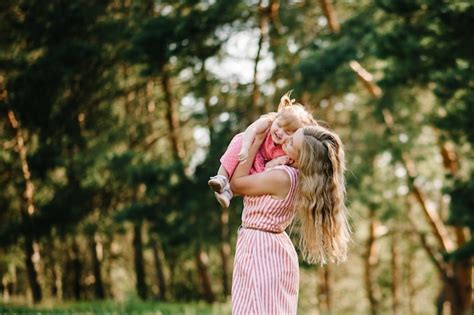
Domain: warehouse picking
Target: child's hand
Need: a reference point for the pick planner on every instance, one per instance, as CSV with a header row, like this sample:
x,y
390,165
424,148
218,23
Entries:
x,y
243,154
281,160
257,140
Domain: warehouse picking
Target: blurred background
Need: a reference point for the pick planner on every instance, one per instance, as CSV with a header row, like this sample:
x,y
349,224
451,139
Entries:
x,y
114,113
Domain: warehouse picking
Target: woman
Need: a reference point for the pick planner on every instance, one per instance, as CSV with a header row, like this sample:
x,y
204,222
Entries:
x,y
266,275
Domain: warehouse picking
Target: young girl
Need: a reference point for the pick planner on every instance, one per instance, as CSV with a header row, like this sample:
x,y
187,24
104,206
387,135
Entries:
x,y
277,127
265,279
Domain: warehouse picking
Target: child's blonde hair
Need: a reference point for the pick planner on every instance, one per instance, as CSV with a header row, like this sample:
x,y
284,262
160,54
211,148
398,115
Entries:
x,y
292,115
322,213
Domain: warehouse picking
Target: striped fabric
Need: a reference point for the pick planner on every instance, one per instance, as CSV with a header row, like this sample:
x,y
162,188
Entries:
x,y
266,274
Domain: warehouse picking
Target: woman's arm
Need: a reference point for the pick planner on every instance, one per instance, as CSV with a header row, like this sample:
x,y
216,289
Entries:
x,y
275,182
281,160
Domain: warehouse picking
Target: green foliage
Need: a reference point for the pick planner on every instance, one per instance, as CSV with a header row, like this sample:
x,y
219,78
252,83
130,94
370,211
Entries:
x,y
86,82
462,203
314,70
422,59
188,31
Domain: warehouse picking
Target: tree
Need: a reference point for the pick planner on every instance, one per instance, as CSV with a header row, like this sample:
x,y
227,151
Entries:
x,y
416,49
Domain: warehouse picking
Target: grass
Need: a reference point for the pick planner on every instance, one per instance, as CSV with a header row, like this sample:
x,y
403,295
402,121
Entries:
x,y
111,307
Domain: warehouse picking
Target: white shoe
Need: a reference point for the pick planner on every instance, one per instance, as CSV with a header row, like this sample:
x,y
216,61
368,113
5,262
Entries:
x,y
218,183
224,197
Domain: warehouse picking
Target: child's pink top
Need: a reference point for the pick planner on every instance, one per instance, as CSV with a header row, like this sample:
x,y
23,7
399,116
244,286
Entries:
x,y
268,151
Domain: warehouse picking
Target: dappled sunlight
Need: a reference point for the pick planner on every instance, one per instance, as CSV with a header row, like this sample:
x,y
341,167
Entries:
x,y
117,113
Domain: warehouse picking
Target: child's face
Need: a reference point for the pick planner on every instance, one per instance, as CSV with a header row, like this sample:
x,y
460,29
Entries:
x,y
280,131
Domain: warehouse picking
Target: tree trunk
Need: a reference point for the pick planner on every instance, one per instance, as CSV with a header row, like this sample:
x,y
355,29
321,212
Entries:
x,y
77,267
27,210
202,266
54,270
160,277
462,268
139,261
56,285
396,275
172,117
3,289
410,275
172,262
437,226
456,290
209,112
3,286
67,274
324,292
97,254
225,251
330,15
8,284
31,269
448,300
463,276
371,259
366,78
255,109
54,281
439,229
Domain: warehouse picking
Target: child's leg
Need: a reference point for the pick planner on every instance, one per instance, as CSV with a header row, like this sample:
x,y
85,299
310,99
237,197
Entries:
x,y
225,197
229,161
218,182
223,172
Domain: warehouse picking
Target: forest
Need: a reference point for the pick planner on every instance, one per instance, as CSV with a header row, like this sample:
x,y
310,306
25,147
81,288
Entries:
x,y
114,114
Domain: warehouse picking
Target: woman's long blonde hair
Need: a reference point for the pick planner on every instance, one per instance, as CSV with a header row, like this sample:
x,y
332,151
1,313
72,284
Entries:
x,y
322,213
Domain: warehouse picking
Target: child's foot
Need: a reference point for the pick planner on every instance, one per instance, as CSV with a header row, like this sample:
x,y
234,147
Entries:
x,y
224,197
218,183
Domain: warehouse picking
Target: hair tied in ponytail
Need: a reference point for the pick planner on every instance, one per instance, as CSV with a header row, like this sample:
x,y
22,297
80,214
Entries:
x,y
286,100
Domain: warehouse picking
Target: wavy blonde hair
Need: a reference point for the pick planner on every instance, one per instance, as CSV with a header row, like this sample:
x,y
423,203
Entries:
x,y
322,214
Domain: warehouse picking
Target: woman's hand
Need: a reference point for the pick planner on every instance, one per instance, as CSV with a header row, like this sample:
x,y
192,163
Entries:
x,y
275,183
281,160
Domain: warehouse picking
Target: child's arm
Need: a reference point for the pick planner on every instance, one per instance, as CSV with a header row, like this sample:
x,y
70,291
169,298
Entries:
x,y
276,183
259,126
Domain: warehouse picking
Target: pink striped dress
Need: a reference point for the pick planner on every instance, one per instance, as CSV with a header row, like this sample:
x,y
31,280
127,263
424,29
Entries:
x,y
265,279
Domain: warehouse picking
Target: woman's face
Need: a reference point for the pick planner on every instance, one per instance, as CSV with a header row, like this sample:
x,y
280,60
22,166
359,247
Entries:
x,y
292,146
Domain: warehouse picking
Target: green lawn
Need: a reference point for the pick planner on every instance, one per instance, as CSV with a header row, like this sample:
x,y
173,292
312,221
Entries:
x,y
110,307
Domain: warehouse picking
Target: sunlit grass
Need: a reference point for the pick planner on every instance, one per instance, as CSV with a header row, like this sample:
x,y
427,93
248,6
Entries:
x,y
111,307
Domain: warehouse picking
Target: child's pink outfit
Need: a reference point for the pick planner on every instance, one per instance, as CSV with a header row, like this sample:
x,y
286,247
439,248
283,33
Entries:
x,y
267,152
